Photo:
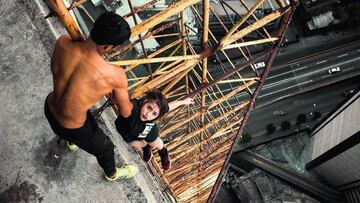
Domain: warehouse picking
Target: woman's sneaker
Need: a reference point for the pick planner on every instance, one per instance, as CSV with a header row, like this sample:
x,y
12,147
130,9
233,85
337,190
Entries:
x,y
147,153
165,159
72,147
125,172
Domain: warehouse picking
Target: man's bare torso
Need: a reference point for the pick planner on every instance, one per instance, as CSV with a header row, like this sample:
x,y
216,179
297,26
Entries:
x,y
81,77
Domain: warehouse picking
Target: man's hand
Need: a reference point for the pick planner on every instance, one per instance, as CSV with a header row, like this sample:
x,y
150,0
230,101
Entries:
x,y
109,96
121,98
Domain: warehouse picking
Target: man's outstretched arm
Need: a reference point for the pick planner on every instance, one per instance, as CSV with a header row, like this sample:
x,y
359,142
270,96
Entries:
x,y
121,98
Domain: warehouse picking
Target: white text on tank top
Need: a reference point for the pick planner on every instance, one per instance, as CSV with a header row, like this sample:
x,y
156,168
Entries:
x,y
146,131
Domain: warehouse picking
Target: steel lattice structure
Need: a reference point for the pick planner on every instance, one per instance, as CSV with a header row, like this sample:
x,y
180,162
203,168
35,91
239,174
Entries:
x,y
201,136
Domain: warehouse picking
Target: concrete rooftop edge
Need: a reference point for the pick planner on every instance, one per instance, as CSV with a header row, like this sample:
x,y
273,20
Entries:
x,y
34,167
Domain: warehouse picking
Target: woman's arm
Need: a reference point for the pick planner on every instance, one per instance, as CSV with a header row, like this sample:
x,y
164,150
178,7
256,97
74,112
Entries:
x,y
174,104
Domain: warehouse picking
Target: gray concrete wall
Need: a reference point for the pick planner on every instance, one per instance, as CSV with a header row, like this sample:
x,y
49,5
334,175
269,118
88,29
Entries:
x,y
342,169
341,127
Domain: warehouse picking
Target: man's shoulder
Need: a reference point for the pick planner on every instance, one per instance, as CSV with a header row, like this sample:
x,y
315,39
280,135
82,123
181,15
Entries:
x,y
65,43
63,39
117,69
119,74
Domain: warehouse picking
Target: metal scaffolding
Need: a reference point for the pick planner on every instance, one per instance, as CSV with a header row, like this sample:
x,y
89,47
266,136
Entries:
x,y
199,137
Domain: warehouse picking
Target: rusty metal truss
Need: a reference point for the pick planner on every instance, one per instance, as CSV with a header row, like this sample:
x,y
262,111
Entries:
x,y
199,137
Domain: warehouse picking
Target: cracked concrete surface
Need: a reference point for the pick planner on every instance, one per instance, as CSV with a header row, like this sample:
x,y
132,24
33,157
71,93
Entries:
x,y
34,166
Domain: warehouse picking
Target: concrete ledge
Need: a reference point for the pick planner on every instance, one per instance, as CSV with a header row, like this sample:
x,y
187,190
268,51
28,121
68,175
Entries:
x,y
34,166
49,28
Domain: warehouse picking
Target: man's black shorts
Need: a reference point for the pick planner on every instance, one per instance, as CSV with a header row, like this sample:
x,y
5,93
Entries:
x,y
84,133
89,137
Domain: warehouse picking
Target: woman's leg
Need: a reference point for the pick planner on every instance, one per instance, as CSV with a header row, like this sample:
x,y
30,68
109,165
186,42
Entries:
x,y
147,147
138,145
164,155
157,144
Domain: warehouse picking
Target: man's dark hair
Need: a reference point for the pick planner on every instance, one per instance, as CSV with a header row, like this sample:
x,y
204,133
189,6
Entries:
x,y
160,100
110,29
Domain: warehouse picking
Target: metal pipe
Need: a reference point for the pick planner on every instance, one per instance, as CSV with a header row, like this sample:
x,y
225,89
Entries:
x,y
205,38
65,18
141,8
231,72
274,50
148,67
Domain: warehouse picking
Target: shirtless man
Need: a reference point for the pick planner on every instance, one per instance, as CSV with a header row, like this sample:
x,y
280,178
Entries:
x,y
81,77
